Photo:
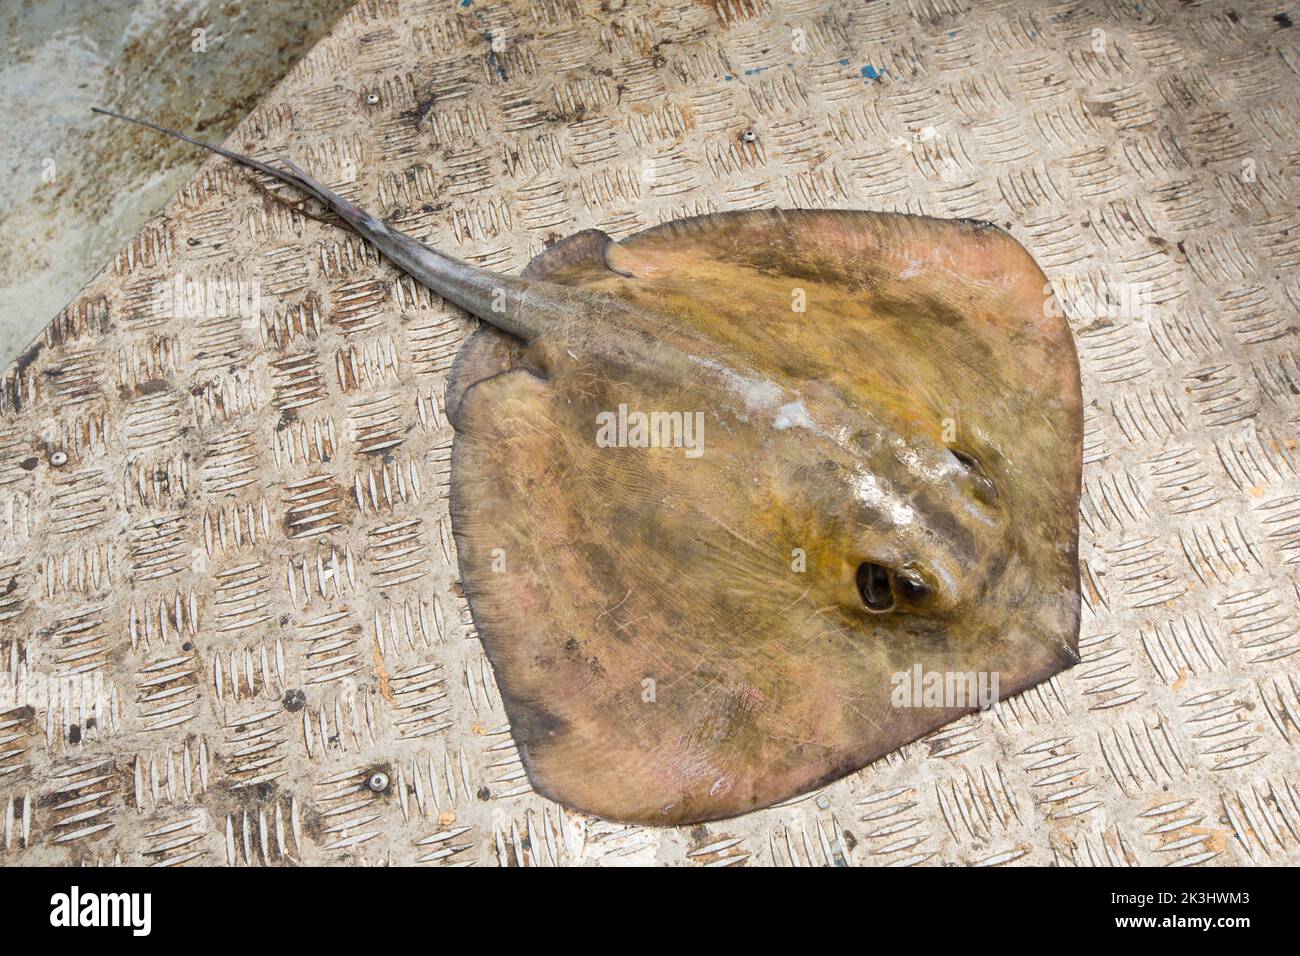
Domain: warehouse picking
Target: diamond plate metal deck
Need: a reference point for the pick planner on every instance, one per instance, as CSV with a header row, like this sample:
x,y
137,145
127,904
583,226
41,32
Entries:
x,y
227,586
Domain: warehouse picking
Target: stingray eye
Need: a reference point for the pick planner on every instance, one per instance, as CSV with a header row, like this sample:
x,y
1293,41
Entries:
x,y
873,586
985,490
881,589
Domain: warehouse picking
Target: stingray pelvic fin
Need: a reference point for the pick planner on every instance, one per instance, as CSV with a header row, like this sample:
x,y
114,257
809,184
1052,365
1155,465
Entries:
x,y
577,260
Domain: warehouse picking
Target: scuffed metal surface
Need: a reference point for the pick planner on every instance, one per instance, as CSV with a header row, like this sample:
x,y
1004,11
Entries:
x,y
236,599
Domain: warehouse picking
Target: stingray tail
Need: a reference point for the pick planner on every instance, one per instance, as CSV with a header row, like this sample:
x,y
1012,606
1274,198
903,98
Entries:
x,y
496,299
353,214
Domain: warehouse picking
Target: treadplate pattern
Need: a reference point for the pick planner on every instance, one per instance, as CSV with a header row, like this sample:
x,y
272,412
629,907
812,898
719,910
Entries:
x,y
227,579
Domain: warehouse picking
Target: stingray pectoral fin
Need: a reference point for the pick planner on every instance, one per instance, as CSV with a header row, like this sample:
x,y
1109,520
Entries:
x,y
485,354
581,573
946,330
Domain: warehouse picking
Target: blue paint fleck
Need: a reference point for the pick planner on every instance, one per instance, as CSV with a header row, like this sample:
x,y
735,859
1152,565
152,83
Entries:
x,y
492,54
466,3
728,77
869,72
844,61
952,33
755,70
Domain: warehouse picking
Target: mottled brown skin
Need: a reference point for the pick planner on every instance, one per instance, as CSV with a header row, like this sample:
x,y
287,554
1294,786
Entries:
x,y
825,432
623,565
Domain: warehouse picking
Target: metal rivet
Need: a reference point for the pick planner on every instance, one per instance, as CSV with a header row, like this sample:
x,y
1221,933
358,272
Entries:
x,y
58,458
750,135
823,802
372,98
378,782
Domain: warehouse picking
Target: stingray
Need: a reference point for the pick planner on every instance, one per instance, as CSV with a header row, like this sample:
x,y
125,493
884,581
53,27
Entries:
x,y
733,495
